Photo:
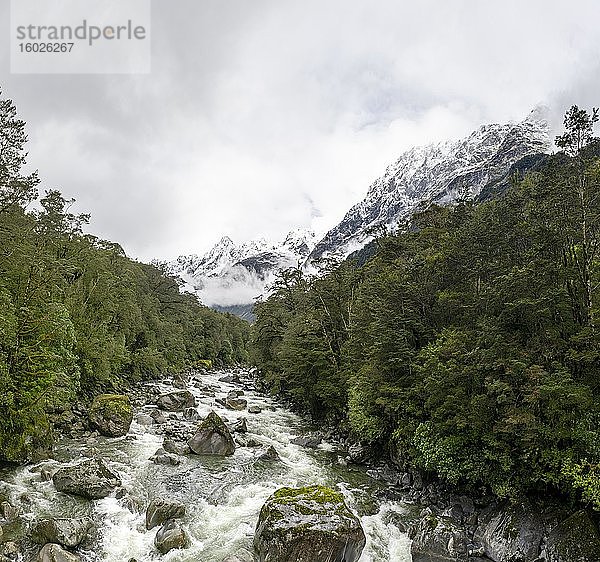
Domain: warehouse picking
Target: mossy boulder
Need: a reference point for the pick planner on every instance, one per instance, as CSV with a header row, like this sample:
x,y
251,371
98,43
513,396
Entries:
x,y
575,539
212,438
310,524
111,414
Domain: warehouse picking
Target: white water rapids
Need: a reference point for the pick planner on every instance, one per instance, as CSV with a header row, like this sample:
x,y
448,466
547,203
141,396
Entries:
x,y
223,496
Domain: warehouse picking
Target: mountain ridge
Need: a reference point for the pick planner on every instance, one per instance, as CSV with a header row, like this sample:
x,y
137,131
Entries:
x,y
230,277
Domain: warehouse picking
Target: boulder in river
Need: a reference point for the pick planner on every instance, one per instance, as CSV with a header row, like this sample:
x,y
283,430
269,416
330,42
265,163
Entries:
x,y
111,414
268,454
212,438
161,510
511,532
254,410
191,414
55,553
66,532
176,401
309,441
90,479
436,538
307,525
163,457
170,536
240,426
236,403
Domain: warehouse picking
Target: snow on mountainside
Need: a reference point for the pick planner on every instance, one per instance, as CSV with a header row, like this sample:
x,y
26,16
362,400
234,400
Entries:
x,y
230,275
438,173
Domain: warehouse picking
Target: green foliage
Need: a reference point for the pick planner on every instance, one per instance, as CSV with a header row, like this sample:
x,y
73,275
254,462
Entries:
x,y
468,345
77,316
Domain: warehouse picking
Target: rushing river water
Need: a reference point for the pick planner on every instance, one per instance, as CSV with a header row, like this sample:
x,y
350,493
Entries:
x,y
223,495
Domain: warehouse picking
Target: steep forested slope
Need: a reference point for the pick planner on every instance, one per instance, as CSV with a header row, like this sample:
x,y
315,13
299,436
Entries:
x,y
76,314
469,345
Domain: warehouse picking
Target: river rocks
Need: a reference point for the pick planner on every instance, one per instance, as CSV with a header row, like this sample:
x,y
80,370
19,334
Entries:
x,y
254,410
157,416
438,539
170,536
229,379
160,510
574,540
66,532
191,414
359,454
144,419
511,533
163,457
240,426
9,512
310,441
90,479
174,447
236,403
176,401
55,553
269,454
307,525
111,414
212,438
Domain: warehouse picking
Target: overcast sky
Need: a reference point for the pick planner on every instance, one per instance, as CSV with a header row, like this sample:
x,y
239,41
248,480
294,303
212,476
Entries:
x,y
261,116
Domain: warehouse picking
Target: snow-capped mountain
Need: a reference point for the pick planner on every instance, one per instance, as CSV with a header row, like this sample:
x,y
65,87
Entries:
x,y
230,275
438,173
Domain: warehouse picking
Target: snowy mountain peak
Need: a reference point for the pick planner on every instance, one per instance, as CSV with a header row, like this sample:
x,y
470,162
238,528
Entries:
x,y
230,274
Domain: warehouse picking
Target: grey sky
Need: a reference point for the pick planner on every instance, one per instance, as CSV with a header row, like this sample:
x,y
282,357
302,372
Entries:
x,y
265,115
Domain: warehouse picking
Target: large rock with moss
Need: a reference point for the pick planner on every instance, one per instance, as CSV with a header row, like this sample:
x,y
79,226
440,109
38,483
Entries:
x,y
176,401
212,438
575,539
90,479
311,524
111,414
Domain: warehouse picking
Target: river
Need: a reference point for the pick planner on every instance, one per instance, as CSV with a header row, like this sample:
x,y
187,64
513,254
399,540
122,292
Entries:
x,y
223,495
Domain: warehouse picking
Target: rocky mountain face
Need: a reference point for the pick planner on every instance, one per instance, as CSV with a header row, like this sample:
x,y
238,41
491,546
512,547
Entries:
x,y
439,173
229,277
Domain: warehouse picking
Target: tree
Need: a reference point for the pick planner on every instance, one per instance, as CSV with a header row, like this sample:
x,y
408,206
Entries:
x,y
579,135
15,188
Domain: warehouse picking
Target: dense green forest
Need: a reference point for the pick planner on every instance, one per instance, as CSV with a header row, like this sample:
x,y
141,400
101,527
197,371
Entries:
x,y
468,346
77,316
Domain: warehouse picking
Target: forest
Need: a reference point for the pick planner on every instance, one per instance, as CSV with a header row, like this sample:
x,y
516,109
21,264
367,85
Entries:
x,y
77,316
467,343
